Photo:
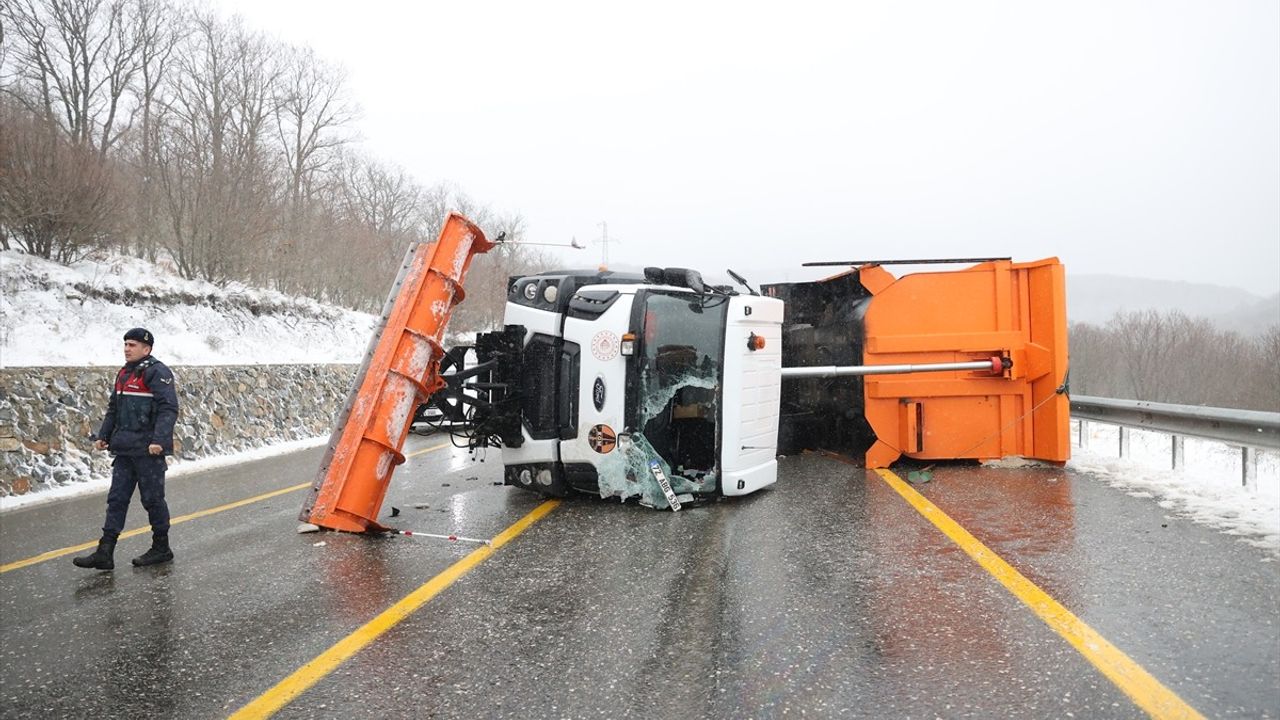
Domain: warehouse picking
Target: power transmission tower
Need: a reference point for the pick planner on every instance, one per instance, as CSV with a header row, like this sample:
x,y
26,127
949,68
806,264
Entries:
x,y
603,241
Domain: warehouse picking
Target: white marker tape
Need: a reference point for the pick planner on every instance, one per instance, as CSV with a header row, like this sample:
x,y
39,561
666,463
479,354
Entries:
x,y
450,538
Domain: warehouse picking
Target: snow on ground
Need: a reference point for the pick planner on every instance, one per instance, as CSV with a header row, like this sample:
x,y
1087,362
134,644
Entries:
x,y
178,468
57,315
1207,489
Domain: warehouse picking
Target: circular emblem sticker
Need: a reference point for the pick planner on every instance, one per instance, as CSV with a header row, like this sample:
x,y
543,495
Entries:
x,y
604,346
602,439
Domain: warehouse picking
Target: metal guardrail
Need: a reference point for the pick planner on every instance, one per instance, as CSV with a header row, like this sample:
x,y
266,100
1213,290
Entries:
x,y
1249,430
1246,428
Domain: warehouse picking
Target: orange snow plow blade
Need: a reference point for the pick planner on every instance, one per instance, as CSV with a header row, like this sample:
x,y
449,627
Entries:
x,y
1013,310
400,372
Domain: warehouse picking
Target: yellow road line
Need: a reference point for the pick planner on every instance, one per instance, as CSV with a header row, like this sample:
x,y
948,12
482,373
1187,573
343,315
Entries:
x,y
433,448
138,531
52,554
266,704
1145,691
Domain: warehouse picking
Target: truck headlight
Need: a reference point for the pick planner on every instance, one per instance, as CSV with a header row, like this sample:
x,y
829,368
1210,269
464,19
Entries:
x,y
530,291
550,292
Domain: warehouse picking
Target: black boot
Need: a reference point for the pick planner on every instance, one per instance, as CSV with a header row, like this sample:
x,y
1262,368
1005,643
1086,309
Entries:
x,y
100,559
159,553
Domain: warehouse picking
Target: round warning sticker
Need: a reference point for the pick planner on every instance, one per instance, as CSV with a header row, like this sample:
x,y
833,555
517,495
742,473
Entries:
x,y
602,439
604,346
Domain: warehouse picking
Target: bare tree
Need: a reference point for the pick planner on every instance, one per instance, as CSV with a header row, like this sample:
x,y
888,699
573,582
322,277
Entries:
x,y
57,199
381,197
1169,357
1143,341
74,61
225,152
1087,345
312,114
217,175
1265,379
160,29
311,120
384,202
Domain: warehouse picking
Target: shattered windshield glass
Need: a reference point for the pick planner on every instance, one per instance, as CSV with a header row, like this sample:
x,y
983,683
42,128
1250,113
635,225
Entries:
x,y
675,431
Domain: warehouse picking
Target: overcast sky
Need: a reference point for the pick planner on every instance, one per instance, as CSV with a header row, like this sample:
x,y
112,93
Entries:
x,y
1127,138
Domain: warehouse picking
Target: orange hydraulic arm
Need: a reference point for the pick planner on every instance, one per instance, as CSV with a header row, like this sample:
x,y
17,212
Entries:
x,y
400,372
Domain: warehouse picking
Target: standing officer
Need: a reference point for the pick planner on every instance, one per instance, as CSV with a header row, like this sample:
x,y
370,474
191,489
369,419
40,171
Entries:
x,y
138,430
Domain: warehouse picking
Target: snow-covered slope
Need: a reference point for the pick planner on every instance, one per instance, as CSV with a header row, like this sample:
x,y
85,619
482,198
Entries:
x,y
51,314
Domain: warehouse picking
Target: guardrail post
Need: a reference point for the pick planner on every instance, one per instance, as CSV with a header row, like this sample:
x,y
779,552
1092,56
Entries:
x,y
1124,441
1179,452
1083,440
1249,469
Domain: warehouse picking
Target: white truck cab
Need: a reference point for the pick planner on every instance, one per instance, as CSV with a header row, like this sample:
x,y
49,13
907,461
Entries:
x,y
617,385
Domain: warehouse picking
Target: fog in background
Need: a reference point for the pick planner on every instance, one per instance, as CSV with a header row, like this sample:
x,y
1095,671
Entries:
x,y
1134,139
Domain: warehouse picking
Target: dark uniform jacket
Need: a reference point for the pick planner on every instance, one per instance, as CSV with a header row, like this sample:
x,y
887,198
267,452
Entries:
x,y
142,410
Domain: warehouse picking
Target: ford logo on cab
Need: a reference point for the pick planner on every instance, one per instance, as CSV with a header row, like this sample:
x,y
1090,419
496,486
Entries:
x,y
597,393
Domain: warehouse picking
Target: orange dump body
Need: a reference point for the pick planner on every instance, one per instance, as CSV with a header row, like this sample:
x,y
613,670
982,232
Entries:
x,y
1013,310
401,371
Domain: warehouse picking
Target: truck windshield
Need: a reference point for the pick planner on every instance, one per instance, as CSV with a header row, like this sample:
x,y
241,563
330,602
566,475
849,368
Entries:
x,y
681,375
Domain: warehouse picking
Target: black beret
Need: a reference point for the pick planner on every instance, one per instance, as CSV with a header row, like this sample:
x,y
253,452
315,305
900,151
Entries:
x,y
142,335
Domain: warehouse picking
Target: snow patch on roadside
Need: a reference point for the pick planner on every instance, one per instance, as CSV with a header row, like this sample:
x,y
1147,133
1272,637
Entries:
x,y
177,469
76,315
1207,491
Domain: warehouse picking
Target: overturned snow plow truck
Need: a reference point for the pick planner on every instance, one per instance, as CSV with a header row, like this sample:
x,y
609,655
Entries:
x,y
661,388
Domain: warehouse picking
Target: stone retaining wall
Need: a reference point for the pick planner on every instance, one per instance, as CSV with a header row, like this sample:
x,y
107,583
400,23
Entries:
x,y
47,415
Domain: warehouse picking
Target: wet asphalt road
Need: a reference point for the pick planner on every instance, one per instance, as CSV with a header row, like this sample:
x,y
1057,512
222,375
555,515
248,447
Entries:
x,y
827,595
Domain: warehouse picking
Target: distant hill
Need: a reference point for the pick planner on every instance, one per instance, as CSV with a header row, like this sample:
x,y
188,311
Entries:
x,y
1096,298
1251,319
